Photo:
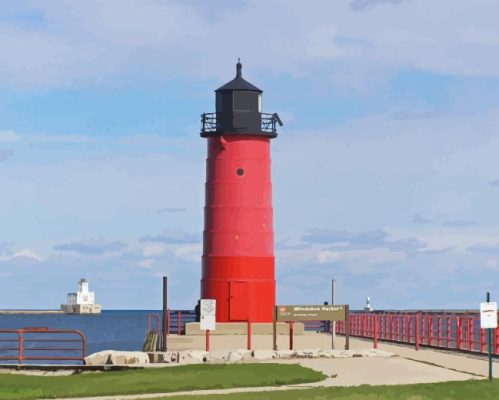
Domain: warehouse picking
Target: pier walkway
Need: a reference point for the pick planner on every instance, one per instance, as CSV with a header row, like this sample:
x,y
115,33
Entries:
x,y
407,367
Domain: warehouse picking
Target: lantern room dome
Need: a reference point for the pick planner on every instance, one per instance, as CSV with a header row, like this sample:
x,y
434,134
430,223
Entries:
x,y
238,83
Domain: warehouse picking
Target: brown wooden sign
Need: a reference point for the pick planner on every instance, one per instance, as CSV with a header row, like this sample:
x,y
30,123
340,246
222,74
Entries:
x,y
311,313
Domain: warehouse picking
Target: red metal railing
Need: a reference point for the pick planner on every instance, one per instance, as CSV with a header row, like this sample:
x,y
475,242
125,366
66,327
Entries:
x,y
446,330
152,320
174,323
42,344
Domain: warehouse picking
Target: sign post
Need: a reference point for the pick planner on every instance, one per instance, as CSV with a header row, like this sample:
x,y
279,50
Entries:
x,y
207,322
488,320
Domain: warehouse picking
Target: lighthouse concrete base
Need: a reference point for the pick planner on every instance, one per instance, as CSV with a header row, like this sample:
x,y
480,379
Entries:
x,y
241,328
81,308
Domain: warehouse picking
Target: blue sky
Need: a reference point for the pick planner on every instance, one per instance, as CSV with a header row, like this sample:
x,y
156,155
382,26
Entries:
x,y
385,175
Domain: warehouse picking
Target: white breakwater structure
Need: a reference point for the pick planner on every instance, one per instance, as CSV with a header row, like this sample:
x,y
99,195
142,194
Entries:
x,y
81,302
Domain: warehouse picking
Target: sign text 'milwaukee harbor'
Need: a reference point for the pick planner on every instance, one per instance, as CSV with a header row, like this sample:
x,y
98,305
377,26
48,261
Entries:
x,y
318,308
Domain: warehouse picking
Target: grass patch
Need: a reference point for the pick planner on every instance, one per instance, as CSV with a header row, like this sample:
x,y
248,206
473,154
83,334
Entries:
x,y
154,380
465,390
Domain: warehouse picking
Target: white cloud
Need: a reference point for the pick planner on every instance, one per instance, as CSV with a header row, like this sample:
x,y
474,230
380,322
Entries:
x,y
23,253
151,250
327,256
189,253
75,139
109,41
9,136
148,263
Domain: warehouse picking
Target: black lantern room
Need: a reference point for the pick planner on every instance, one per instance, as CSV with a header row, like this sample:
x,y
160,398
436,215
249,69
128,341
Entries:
x,y
239,111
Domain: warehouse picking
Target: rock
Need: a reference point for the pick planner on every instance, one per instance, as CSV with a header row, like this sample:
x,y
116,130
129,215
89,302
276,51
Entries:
x,y
377,353
265,354
218,356
163,357
239,355
286,353
309,353
192,356
128,358
326,354
341,353
100,358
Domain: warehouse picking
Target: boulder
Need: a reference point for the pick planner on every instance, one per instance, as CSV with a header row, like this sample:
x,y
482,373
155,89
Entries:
x,y
308,353
128,358
163,357
286,353
341,353
192,356
377,353
218,356
100,358
239,355
265,355
326,354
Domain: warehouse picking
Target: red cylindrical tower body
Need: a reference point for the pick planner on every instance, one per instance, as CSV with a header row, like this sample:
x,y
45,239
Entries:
x,y
238,249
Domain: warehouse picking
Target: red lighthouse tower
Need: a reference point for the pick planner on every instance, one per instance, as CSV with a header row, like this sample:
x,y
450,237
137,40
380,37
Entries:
x,y
238,239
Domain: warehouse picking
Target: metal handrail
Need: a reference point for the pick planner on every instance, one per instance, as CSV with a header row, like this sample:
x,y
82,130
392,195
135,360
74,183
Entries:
x,y
446,330
22,350
209,123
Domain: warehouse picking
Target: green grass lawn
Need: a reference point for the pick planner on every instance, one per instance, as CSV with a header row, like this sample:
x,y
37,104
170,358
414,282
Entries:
x,y
154,380
465,390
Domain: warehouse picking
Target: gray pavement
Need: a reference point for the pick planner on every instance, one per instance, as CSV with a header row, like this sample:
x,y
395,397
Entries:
x,y
409,366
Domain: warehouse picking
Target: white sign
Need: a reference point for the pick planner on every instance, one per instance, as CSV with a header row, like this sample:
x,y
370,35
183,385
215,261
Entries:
x,y
488,315
208,309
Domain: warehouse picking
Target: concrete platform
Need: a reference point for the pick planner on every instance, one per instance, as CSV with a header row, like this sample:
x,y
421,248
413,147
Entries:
x,y
241,328
460,362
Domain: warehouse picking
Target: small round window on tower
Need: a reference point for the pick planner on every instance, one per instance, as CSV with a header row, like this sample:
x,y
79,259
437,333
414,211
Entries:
x,y
240,172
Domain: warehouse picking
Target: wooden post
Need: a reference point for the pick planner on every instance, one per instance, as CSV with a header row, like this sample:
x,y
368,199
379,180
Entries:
x,y
347,327
207,340
290,335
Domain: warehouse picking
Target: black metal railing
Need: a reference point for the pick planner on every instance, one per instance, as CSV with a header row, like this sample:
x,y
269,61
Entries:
x,y
210,125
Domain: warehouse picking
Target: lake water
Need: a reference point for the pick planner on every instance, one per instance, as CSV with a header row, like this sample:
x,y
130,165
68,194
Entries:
x,y
112,329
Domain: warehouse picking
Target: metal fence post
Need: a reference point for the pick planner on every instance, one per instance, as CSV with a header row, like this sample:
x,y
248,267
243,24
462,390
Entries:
x,y
347,327
458,333
416,330
179,323
21,344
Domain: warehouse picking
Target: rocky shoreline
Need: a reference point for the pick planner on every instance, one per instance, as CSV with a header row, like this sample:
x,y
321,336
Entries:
x,y
138,358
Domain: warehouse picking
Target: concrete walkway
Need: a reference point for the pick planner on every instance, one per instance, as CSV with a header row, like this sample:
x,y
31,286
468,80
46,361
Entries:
x,y
341,372
409,367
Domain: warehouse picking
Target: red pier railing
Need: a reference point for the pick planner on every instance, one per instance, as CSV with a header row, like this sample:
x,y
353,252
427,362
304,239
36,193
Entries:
x,y
42,344
445,330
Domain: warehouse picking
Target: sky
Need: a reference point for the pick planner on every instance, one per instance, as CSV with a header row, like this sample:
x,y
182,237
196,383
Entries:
x,y
385,173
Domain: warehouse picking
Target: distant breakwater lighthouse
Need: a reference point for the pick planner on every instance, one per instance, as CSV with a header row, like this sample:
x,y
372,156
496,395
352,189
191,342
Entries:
x,y
82,301
238,239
